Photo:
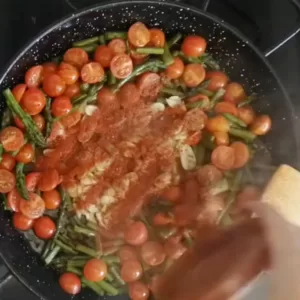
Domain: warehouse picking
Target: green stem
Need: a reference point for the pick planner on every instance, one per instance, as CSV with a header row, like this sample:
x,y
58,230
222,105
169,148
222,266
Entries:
x,y
234,120
86,250
114,243
20,181
219,187
74,270
174,40
116,275
65,247
92,225
76,263
249,100
111,259
110,250
93,286
172,92
107,287
216,97
84,88
115,35
167,56
150,50
102,39
243,134
1,152
86,42
84,231
51,255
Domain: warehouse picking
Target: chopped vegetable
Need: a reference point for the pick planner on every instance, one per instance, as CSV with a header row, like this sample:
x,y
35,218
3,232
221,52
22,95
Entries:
x,y
20,178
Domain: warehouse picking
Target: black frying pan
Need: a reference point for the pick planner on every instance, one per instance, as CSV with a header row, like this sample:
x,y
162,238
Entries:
x,y
239,58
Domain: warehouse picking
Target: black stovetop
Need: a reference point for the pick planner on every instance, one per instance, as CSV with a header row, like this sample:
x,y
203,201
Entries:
x,y
267,23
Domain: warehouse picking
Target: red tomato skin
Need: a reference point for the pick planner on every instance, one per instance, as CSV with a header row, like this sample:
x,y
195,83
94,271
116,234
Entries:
x,y
175,70
7,181
149,85
68,73
32,180
103,55
18,91
49,180
92,72
138,34
13,200
32,208
70,283
217,79
121,66
193,75
95,270
131,270
33,101
117,46
72,90
21,222
52,199
44,228
76,57
8,162
34,76
136,234
61,106
53,85
7,134
193,46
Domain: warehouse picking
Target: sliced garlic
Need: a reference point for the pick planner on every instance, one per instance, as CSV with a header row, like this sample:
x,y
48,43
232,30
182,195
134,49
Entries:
x,y
157,107
187,157
90,109
173,101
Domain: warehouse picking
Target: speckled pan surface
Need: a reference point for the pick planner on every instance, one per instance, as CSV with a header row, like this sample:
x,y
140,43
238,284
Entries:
x,y
238,58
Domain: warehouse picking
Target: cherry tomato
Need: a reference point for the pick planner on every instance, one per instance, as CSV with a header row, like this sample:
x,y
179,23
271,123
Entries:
x,y
39,121
195,119
57,131
87,128
8,162
72,90
61,106
21,222
172,194
26,154
175,70
221,138
153,253
193,45
193,75
92,73
137,58
127,253
129,95
194,138
162,219
34,76
76,57
11,138
246,114
53,85
49,68
44,228
217,124
70,119
223,157
149,85
217,79
208,175
33,101
13,200
235,93
52,199
138,34
242,154
117,46
131,270
261,125
106,98
19,123
136,233
138,291
70,283
174,250
32,208
121,66
49,180
95,270
68,73
203,100
103,55
157,38
226,107
18,91
32,180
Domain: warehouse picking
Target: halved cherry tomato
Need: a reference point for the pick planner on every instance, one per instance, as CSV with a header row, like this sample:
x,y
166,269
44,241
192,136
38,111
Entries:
x,y
52,199
18,91
72,90
53,85
217,124
121,66
49,180
103,55
204,102
246,114
44,228
32,208
208,175
58,131
221,138
195,119
19,123
194,138
95,270
11,138
61,106
76,57
223,157
138,291
136,233
129,95
193,75
8,162
68,73
162,219
32,180
131,270
21,222
149,85
138,34
70,283
175,70
49,68
242,154
127,253
106,98
172,194
193,45
226,107
117,46
34,76
92,73
157,38
235,93
137,57
174,250
39,121
87,128
217,79
261,125
70,119
153,253
26,154
33,101
13,200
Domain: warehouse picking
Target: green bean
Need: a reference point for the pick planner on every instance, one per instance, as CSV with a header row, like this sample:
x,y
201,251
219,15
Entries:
x,y
93,286
115,35
1,152
235,120
110,250
187,238
107,287
79,99
48,117
74,270
150,50
167,56
92,225
172,92
110,259
57,60
32,130
51,255
64,247
111,79
46,249
20,181
94,89
244,134
219,187
174,40
3,199
102,39
84,231
199,151
84,88
198,104
109,277
216,97
86,42
249,100
166,233
86,250
208,142
76,263
114,243
89,48
6,118
208,61
116,275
